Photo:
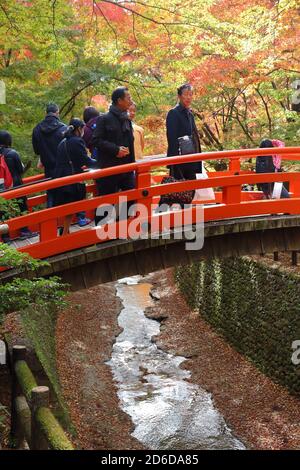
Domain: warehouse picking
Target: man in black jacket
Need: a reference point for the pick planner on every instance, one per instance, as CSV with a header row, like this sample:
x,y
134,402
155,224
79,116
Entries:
x,y
45,139
113,139
180,123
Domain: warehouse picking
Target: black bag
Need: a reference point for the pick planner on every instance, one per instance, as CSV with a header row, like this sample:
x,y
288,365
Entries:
x,y
186,145
182,198
264,164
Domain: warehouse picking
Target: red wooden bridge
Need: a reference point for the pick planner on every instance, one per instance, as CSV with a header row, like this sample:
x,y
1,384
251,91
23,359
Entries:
x,y
238,222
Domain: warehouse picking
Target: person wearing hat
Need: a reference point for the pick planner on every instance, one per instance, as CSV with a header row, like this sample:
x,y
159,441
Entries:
x,y
71,157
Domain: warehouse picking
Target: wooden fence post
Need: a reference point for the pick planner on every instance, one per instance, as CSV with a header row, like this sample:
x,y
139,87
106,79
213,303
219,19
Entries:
x,y
24,423
276,256
18,354
39,398
294,258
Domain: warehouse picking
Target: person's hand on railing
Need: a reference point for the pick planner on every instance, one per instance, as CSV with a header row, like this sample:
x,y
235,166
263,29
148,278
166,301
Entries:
x,y
123,152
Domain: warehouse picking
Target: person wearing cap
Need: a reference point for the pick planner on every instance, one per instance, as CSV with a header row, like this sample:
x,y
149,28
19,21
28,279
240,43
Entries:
x,y
45,139
71,157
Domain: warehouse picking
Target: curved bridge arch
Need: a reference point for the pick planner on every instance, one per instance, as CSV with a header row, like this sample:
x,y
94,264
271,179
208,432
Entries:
x,y
238,224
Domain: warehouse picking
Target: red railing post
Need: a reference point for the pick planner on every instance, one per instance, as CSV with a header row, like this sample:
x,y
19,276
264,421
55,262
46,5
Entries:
x,y
143,184
48,230
232,195
295,186
235,165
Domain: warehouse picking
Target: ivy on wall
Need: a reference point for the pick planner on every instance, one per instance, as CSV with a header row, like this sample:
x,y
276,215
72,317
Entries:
x,y
256,308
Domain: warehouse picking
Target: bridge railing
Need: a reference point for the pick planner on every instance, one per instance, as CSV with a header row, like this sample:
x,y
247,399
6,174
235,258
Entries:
x,y
234,157
232,202
32,421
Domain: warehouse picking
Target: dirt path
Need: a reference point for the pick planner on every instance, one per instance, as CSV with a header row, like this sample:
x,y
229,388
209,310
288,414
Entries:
x,y
261,413
85,336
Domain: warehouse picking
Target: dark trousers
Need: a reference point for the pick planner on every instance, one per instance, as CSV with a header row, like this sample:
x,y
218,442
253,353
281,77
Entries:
x,y
114,184
22,203
51,203
50,198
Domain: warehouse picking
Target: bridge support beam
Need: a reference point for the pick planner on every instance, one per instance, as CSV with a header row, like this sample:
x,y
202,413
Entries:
x,y
294,258
106,262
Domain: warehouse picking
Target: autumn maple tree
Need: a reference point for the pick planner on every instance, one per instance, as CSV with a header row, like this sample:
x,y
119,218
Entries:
x,y
241,55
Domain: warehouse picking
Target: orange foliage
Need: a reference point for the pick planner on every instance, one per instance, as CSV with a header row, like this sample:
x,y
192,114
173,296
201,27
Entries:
x,y
112,13
155,134
229,10
228,71
100,102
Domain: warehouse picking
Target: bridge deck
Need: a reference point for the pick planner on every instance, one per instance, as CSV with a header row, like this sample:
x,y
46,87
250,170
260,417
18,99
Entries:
x,y
18,243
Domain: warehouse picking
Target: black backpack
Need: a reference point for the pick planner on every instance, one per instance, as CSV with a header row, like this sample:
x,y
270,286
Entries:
x,y
264,164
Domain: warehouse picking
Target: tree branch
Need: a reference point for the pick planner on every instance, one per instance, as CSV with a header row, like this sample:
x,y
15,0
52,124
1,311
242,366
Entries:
x,y
53,6
266,108
108,23
148,18
74,96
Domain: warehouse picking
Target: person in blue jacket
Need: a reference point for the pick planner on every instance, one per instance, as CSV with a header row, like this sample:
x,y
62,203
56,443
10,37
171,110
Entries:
x,y
71,157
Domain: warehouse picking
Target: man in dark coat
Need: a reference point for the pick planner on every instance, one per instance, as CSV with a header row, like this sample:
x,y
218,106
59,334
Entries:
x,y
45,139
180,123
114,141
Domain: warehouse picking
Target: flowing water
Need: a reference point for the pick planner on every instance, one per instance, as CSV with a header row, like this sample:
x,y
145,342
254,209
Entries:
x,y
168,412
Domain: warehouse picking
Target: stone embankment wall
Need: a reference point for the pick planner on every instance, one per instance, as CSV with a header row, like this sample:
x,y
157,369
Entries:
x,y
254,306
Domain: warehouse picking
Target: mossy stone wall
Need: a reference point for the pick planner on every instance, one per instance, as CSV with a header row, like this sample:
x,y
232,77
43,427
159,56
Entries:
x,y
40,324
255,307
